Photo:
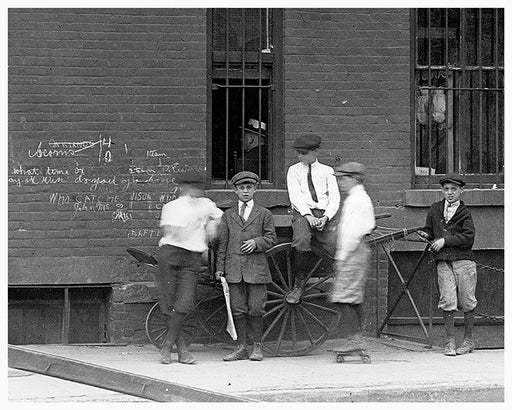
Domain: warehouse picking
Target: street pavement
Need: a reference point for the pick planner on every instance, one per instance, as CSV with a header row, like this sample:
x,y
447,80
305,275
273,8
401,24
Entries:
x,y
399,372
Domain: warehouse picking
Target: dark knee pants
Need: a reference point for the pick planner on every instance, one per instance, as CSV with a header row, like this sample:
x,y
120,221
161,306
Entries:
x,y
248,298
176,279
303,234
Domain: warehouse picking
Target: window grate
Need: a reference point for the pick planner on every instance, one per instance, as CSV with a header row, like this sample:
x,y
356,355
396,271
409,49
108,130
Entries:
x,y
459,95
242,93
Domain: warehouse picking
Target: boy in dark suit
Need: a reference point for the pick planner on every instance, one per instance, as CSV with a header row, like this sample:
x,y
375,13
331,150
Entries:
x,y
246,231
449,225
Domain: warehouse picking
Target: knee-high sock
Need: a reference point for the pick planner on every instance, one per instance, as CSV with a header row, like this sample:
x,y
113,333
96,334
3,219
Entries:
x,y
256,325
241,328
469,321
449,323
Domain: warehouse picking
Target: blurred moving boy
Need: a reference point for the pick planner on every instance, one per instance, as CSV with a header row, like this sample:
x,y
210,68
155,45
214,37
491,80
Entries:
x,y
183,223
352,252
246,231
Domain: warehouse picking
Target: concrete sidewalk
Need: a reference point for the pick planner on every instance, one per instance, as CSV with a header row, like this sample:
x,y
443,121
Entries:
x,y
399,371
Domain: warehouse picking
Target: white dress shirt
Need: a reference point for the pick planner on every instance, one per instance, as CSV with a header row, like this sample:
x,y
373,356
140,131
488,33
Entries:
x,y
325,184
248,209
450,209
357,220
191,215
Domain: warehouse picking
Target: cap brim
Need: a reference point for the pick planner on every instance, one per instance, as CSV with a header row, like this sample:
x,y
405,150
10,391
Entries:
x,y
453,181
245,181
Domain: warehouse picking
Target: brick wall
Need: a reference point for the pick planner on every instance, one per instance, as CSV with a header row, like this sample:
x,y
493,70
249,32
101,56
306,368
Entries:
x,y
347,79
346,75
105,109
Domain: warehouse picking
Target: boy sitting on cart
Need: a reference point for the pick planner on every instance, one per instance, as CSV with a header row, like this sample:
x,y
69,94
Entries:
x,y
246,231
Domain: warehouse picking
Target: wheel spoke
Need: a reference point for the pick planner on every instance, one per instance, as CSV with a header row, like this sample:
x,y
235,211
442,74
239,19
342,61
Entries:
x,y
313,296
278,288
158,334
308,330
279,273
281,332
273,302
214,313
275,294
289,267
319,282
294,331
317,264
315,319
274,309
276,319
321,307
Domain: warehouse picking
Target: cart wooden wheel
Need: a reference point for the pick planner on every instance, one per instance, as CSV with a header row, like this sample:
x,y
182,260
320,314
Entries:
x,y
293,329
205,324
156,327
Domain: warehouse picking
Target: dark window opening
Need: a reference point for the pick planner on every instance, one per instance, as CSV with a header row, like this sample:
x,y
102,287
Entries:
x,y
459,95
242,104
46,315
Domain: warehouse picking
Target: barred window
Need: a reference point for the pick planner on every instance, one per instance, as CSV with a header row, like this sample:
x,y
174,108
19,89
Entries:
x,y
242,103
459,95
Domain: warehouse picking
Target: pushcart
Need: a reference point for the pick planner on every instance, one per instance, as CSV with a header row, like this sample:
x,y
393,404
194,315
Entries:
x,y
290,329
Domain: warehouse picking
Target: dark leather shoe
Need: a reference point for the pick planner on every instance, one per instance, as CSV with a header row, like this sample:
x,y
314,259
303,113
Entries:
x,y
257,354
240,353
294,296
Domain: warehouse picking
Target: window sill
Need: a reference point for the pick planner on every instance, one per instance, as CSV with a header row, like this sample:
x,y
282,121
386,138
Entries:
x,y
269,198
471,197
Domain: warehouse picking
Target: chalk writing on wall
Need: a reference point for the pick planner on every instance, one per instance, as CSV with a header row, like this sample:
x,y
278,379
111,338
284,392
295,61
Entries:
x,y
91,177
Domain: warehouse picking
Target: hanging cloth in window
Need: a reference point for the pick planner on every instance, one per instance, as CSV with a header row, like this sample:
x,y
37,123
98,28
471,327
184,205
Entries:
x,y
439,107
422,107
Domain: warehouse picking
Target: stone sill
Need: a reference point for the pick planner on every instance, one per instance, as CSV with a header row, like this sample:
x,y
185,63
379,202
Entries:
x,y
471,197
269,198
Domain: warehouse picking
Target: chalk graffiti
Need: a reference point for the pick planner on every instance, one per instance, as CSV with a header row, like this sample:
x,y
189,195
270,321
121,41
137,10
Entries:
x,y
66,149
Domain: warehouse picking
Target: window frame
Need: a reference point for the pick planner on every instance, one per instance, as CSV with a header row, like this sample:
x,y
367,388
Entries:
x,y
275,125
477,179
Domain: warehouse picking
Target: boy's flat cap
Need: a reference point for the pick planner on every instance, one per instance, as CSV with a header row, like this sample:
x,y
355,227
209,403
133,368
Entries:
x,y
308,142
190,178
350,168
245,177
454,178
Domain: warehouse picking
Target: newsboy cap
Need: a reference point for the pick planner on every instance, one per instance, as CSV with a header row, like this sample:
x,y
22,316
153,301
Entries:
x,y
191,178
454,178
350,168
307,141
245,177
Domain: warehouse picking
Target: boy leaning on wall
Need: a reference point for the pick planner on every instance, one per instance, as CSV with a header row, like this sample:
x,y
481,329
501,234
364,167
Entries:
x,y
449,226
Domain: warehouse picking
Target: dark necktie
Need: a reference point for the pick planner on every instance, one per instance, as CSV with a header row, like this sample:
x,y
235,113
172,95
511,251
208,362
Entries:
x,y
242,211
311,186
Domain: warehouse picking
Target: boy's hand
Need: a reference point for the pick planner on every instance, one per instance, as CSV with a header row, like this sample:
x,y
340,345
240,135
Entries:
x,y
313,222
219,274
248,246
437,245
321,223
